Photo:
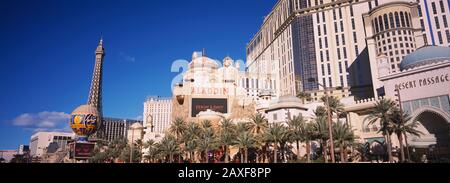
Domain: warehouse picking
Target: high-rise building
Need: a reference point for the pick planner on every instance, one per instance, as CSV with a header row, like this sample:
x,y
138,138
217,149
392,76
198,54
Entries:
x,y
115,128
41,140
23,149
157,114
324,40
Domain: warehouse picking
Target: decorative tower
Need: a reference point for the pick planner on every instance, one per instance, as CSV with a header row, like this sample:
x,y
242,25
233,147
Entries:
x,y
95,94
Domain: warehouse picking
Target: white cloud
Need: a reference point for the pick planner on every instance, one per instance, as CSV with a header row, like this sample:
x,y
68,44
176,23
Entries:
x,y
127,58
43,121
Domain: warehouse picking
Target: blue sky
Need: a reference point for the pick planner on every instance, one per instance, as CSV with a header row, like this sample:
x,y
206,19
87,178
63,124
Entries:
x,y
47,53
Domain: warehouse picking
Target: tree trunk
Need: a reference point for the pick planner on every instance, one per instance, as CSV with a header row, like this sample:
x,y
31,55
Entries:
x,y
402,150
171,158
226,154
298,151
245,155
324,151
389,147
242,155
206,156
308,151
275,154
407,146
341,151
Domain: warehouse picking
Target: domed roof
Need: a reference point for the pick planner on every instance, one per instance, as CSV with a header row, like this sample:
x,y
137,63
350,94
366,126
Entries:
x,y
424,56
85,109
203,61
136,126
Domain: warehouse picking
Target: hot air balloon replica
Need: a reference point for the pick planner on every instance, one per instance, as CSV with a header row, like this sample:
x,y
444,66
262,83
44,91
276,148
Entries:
x,y
84,122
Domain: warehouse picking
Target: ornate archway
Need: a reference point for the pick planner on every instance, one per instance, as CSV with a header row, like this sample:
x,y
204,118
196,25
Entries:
x,y
435,126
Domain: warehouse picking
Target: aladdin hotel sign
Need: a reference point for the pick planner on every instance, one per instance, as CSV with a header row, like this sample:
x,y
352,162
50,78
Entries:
x,y
422,82
209,91
217,105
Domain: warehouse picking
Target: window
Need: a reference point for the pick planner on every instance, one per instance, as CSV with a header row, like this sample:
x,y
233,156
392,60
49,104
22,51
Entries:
x,y
323,16
402,18
376,3
376,26
340,13
330,84
386,22
340,68
370,5
334,14
440,37
337,40
353,24
448,36
323,70
380,19
320,43
444,19
407,19
391,20
326,42
317,18
351,10
433,6
342,26
355,39
335,27
275,117
324,29
329,68
339,53
343,39
419,8
342,80
436,20
344,50
422,25
321,56
356,51
441,4
397,20
328,55
318,30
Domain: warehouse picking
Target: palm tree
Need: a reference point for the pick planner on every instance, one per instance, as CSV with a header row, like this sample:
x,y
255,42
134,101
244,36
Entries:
x,y
343,136
149,145
336,107
304,96
190,138
295,126
177,128
245,140
207,142
381,113
276,133
308,135
258,125
227,135
401,125
139,144
321,133
169,146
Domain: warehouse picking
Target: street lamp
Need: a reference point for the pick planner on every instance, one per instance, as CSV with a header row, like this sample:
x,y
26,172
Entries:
x,y
330,123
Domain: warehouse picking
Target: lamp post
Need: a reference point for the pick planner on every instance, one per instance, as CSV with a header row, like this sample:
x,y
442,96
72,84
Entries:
x,y
330,123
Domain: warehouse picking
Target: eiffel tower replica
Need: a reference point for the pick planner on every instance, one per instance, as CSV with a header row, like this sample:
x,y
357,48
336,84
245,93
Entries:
x,y
95,93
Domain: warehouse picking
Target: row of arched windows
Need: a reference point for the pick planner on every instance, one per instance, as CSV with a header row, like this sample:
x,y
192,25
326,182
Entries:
x,y
392,21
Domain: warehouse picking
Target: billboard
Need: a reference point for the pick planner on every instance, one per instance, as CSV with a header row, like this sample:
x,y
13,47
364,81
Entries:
x,y
82,150
217,105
